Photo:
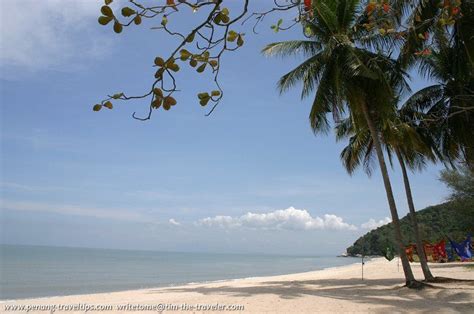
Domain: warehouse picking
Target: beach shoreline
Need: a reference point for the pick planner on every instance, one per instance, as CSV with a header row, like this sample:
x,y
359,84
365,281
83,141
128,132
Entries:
x,y
333,289
36,272
205,282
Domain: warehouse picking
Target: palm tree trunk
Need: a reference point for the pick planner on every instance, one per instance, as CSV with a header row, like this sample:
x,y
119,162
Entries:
x,y
409,278
414,221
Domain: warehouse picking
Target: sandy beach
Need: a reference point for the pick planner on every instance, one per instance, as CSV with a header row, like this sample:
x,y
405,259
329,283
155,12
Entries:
x,y
331,290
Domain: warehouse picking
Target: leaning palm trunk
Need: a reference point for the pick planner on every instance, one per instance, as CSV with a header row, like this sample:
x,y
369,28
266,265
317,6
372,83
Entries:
x,y
414,221
409,278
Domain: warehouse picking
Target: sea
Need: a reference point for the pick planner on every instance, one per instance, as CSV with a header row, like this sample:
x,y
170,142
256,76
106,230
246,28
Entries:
x,y
41,271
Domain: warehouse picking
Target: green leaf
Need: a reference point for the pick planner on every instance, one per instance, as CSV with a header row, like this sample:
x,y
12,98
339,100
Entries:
x,y
169,101
104,20
159,61
164,20
225,19
280,21
174,67
158,92
108,105
166,106
169,63
156,103
190,38
225,11
137,20
185,54
117,96
201,68
232,35
107,11
97,107
126,11
204,101
117,27
215,93
240,41
202,96
107,2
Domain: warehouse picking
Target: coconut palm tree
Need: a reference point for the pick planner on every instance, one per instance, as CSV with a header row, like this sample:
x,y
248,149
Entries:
x,y
398,138
347,77
445,109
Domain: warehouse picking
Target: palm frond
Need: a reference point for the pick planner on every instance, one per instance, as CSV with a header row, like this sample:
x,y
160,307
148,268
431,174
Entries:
x,y
422,100
308,73
292,47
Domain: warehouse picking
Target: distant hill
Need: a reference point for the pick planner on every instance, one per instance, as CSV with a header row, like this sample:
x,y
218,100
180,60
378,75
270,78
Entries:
x,y
453,219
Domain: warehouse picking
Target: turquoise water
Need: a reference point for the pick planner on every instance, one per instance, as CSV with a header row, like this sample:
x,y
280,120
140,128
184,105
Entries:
x,y
36,271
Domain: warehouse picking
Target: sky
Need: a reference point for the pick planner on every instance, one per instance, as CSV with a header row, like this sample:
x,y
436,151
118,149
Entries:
x,y
251,178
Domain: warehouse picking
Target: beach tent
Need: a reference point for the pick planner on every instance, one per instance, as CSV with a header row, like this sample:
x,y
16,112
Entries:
x,y
437,251
440,251
450,252
463,249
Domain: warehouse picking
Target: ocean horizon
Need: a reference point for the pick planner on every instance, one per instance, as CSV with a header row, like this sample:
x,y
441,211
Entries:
x,y
30,271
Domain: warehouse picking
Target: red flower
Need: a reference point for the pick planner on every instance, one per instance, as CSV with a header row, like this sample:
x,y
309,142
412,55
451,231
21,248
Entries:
x,y
386,7
370,7
426,52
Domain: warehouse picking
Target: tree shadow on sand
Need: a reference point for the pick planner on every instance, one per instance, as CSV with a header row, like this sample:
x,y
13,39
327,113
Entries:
x,y
387,292
450,265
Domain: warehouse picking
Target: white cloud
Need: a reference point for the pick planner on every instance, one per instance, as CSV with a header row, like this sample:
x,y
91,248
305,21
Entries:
x,y
290,218
36,35
174,222
76,210
220,221
372,224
